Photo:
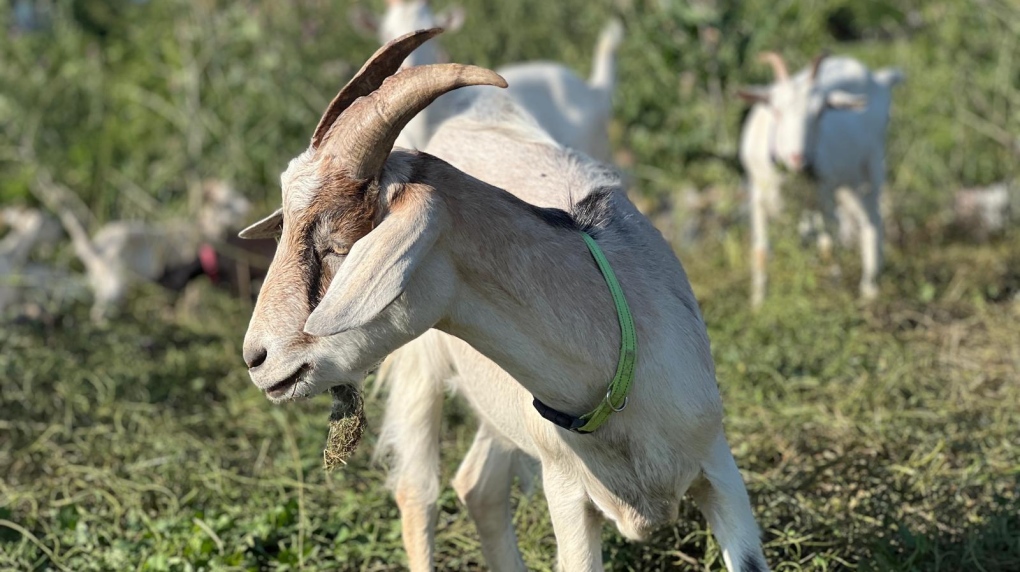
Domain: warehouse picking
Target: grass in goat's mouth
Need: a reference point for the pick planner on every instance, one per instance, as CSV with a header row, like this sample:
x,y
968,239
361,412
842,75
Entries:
x,y
286,384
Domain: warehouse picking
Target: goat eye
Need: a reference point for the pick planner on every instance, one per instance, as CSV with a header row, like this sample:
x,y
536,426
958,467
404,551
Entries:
x,y
339,249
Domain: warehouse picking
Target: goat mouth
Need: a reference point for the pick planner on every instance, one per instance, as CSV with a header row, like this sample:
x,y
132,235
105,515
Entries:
x,y
280,388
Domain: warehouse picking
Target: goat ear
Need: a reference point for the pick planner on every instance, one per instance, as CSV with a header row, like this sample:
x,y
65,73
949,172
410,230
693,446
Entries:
x,y
269,227
377,270
889,76
452,18
363,21
845,100
754,94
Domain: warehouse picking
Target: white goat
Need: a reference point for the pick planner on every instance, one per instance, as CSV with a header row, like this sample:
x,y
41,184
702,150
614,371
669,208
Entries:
x,y
378,247
23,231
124,252
985,211
830,121
401,18
574,111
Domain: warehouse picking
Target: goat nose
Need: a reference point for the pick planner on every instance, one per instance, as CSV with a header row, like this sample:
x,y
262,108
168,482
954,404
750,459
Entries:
x,y
255,357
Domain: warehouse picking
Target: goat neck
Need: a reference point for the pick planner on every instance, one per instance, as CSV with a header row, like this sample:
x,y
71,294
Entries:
x,y
528,294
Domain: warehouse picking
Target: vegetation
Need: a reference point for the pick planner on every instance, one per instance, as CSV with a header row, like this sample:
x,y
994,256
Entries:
x,y
874,438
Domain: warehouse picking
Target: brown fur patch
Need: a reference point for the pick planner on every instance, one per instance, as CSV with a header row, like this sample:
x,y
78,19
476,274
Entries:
x,y
342,211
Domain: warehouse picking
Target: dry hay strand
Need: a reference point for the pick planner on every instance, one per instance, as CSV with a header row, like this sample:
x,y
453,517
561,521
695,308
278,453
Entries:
x,y
346,426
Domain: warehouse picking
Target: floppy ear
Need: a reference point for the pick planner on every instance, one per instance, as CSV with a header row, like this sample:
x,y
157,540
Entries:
x,y
363,21
452,18
378,268
754,94
845,100
269,227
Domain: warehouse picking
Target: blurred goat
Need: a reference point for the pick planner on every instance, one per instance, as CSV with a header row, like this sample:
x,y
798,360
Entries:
x,y
23,230
123,252
985,211
574,111
828,121
378,246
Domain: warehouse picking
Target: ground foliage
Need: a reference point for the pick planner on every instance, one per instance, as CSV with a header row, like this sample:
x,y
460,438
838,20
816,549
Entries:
x,y
877,438
880,438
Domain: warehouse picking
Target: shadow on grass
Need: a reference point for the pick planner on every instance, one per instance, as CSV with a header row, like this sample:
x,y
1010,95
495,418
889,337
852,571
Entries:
x,y
880,529
73,374
992,545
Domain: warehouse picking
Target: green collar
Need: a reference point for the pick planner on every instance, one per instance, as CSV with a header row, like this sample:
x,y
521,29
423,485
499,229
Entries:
x,y
616,394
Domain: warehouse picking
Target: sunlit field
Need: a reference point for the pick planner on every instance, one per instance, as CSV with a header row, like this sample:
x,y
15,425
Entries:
x,y
881,436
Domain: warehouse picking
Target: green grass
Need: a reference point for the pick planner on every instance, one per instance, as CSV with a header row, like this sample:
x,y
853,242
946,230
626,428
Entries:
x,y
875,438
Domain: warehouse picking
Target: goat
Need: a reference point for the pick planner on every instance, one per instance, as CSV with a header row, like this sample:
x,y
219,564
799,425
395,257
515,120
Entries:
x,y
829,121
124,252
574,111
399,19
28,230
378,245
984,211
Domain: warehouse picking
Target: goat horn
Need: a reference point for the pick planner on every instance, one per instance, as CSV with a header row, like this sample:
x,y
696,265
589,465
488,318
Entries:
x,y
816,64
383,63
363,135
778,65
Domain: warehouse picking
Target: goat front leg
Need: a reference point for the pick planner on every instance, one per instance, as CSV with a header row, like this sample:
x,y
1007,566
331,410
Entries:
x,y
872,233
483,484
576,523
759,244
722,498
830,222
411,432
418,513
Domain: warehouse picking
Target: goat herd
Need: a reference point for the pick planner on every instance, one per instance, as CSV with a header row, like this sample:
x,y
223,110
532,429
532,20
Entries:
x,y
466,265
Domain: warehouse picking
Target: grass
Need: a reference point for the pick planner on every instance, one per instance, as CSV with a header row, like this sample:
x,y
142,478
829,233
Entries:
x,y
872,438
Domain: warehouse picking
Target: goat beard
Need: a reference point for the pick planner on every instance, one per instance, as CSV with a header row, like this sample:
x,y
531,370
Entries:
x,y
346,426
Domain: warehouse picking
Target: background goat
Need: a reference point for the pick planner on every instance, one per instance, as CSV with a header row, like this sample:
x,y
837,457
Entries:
x,y
830,121
574,111
122,252
23,230
422,244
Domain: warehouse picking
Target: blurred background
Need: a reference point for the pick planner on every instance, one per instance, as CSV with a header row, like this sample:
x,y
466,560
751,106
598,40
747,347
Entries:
x,y
872,437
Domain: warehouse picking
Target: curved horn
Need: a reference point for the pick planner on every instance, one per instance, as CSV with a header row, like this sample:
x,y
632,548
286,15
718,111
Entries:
x,y
383,63
364,134
778,65
816,64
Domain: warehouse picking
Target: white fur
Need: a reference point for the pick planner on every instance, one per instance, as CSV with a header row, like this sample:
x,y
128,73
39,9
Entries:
x,y
834,126
522,311
985,210
23,231
303,181
125,252
575,112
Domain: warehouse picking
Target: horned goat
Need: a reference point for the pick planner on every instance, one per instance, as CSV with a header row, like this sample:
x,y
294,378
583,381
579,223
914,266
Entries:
x,y
377,247
828,121
574,111
125,252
